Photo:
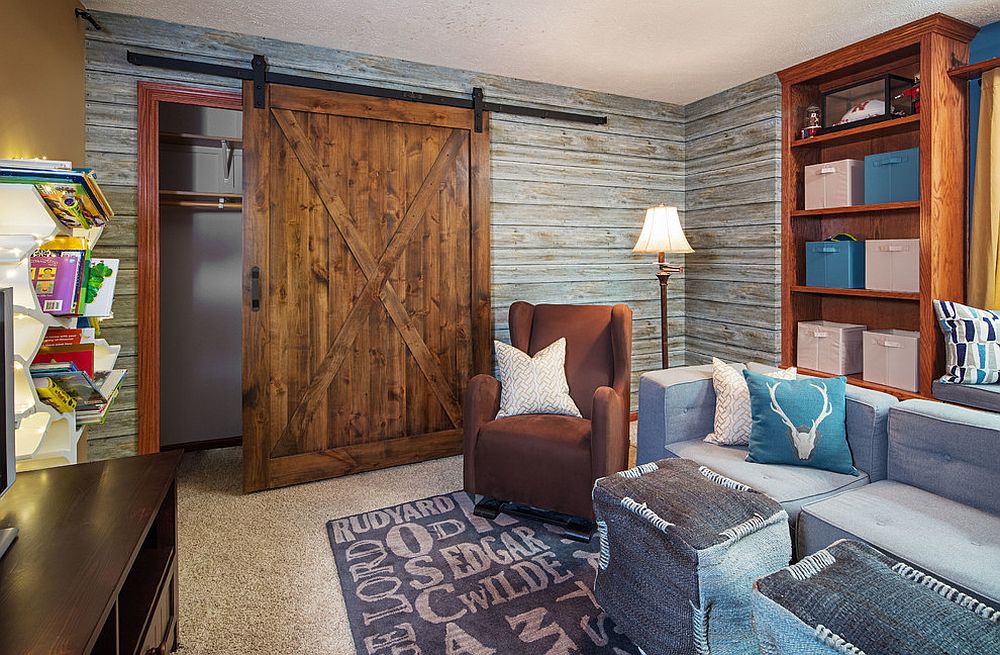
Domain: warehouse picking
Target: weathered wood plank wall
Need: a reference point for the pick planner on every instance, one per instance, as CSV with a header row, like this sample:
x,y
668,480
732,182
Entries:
x,y
733,221
567,199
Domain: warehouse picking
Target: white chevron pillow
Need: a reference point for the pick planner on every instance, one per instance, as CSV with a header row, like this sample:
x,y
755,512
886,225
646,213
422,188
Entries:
x,y
534,385
733,419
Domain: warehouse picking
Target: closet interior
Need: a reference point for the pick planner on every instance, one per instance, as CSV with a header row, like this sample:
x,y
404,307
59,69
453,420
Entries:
x,y
201,191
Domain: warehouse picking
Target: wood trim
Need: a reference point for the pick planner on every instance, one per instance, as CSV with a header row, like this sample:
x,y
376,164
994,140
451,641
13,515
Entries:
x,y
857,209
256,344
307,467
479,206
879,45
358,106
972,71
861,293
885,128
150,95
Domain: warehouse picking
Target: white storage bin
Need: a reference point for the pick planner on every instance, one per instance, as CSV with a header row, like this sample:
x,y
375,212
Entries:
x,y
892,358
829,347
892,264
835,184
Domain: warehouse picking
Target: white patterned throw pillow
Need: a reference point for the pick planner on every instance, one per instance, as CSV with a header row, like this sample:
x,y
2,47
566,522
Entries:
x,y
732,403
534,385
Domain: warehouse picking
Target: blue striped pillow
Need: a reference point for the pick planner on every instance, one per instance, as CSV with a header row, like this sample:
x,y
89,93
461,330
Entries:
x,y
972,343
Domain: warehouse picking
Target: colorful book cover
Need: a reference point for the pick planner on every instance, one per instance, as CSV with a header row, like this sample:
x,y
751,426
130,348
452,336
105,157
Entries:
x,y
72,247
77,384
52,394
55,278
79,354
100,288
90,198
62,336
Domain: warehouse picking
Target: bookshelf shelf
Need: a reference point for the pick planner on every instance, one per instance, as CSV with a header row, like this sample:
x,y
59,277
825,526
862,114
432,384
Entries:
x,y
862,133
896,207
858,293
44,436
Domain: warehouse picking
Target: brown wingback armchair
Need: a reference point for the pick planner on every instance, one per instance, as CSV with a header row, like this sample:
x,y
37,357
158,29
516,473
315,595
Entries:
x,y
547,461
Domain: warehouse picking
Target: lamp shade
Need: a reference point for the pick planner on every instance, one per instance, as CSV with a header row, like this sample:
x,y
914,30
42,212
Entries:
x,y
661,232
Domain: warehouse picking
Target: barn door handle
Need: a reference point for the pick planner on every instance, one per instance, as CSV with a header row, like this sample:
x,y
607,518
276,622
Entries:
x,y
255,289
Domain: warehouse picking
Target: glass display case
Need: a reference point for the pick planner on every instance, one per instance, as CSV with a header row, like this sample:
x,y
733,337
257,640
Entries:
x,y
869,101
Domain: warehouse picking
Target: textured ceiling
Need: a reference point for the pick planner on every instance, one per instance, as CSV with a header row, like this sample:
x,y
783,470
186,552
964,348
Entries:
x,y
670,50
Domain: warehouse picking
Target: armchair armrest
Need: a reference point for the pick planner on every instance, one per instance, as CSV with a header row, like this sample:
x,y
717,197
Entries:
x,y
608,433
482,402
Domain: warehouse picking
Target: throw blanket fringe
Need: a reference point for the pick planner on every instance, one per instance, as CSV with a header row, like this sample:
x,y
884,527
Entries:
x,y
948,592
700,619
605,559
832,639
748,527
809,566
639,471
718,478
642,511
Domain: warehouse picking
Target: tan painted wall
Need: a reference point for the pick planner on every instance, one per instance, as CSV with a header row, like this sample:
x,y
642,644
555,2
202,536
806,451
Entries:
x,y
41,80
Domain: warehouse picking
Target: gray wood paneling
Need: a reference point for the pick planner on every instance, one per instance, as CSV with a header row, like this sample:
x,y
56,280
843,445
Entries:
x,y
567,199
733,221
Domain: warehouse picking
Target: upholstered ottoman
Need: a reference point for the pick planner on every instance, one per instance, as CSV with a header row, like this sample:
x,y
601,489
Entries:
x,y
851,599
680,549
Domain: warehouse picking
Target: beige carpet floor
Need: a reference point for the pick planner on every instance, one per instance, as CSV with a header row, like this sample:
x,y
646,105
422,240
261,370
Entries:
x,y
256,571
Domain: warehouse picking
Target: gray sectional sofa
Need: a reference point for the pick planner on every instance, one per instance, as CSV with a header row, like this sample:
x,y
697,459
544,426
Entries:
x,y
929,492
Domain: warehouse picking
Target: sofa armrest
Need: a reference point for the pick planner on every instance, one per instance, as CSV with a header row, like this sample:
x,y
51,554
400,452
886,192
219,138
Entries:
x,y
676,404
608,433
868,429
949,451
482,402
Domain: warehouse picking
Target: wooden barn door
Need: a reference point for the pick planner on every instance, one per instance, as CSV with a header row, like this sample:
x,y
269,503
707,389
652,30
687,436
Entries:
x,y
366,249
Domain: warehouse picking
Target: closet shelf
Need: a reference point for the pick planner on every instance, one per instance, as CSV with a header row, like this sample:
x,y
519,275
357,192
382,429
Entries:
x,y
182,138
226,201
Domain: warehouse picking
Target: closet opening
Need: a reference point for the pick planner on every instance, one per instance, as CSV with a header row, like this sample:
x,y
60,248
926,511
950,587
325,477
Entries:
x,y
190,239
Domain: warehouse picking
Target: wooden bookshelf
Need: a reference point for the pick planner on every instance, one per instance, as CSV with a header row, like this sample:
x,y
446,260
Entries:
x,y
859,381
972,71
928,46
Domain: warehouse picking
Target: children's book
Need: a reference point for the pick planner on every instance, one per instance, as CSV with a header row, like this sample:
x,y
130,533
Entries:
x,y
100,287
62,336
76,383
52,394
80,354
87,194
55,278
75,249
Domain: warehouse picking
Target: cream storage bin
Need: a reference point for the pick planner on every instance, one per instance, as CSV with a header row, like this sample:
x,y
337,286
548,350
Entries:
x,y
892,265
829,347
892,358
835,184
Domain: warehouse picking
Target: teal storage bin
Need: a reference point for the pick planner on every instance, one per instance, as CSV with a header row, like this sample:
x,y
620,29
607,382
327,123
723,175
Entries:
x,y
892,177
835,264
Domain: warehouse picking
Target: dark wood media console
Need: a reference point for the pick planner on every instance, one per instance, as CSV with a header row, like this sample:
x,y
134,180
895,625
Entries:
x,y
94,568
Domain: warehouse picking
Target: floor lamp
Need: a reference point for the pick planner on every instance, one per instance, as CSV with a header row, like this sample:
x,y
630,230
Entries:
x,y
662,234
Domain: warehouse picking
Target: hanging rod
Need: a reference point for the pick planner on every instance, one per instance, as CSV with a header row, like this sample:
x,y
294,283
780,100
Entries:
x,y
260,75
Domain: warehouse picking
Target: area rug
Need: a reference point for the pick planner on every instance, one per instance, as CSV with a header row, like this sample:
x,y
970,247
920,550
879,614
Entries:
x,y
428,577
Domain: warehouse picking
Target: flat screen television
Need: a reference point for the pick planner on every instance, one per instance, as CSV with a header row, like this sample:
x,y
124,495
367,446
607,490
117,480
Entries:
x,y
7,453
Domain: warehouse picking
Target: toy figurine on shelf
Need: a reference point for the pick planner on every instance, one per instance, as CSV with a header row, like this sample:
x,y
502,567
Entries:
x,y
913,93
812,123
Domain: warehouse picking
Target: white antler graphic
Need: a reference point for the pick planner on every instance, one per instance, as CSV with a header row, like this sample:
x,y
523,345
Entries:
x,y
804,442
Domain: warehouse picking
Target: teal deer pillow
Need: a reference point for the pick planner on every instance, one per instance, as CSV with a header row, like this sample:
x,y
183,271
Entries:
x,y
799,422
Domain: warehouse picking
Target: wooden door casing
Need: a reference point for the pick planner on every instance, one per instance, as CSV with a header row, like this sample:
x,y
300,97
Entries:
x,y
368,221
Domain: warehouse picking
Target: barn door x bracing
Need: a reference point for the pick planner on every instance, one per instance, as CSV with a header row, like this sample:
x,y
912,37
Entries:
x,y
366,252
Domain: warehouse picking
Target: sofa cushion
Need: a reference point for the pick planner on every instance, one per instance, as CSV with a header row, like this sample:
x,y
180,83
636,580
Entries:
x,y
792,486
980,396
946,539
536,459
960,446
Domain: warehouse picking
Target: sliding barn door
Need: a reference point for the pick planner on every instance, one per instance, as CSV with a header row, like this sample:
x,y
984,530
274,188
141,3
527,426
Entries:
x,y
366,255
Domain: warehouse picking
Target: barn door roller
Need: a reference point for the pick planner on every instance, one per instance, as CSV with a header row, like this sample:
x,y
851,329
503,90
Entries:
x,y
261,76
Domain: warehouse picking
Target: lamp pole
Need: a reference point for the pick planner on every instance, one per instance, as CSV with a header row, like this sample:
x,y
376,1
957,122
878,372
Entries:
x,y
663,275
